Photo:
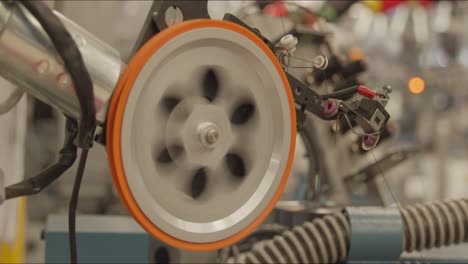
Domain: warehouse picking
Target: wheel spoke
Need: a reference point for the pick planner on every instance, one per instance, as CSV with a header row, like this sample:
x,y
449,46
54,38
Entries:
x,y
210,85
243,113
170,102
198,183
236,165
168,155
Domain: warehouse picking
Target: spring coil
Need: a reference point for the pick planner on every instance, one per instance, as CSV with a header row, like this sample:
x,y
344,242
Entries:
x,y
324,240
435,224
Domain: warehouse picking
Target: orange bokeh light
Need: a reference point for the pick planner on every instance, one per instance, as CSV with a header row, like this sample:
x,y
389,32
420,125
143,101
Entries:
x,y
416,85
356,54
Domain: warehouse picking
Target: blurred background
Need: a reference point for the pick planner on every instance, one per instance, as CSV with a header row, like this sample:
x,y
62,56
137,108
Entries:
x,y
419,47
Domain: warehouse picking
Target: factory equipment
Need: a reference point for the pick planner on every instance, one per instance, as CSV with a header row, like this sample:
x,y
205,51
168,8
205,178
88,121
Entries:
x,y
200,128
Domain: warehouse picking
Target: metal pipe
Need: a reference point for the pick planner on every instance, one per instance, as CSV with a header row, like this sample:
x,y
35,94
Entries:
x,y
29,60
11,101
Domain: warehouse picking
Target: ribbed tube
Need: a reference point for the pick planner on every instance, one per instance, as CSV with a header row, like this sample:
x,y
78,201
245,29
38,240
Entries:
x,y
326,240
435,224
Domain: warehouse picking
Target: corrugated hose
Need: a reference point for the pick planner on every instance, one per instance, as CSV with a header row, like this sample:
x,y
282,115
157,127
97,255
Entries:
x,y
327,239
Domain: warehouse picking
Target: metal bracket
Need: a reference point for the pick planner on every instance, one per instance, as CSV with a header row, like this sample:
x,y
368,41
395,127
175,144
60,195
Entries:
x,y
156,18
307,98
369,114
232,18
373,115
304,96
194,9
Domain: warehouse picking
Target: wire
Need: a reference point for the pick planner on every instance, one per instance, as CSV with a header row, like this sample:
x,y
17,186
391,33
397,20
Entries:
x,y
74,205
342,94
386,182
73,61
289,56
325,82
353,130
301,59
282,22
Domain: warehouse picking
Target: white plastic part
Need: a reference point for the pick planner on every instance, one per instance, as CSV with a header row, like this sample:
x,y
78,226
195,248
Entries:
x,y
321,62
288,43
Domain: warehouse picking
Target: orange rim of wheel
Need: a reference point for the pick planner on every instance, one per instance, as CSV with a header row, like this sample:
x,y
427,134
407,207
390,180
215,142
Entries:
x,y
115,119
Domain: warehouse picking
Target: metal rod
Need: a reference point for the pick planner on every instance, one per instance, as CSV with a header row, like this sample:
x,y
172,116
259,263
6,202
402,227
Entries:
x,y
28,60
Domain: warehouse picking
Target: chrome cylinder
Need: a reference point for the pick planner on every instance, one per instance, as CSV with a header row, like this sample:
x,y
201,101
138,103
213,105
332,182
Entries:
x,y
29,60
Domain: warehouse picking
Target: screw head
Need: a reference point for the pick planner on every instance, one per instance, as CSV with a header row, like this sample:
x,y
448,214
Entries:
x,y
212,136
173,16
315,99
387,88
209,134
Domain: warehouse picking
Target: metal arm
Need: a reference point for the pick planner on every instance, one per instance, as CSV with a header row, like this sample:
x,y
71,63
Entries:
x,y
365,111
67,157
28,60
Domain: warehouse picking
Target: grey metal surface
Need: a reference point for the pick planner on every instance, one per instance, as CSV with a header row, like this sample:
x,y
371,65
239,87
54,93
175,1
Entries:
x,y
11,101
100,239
94,224
266,139
28,59
376,234
113,239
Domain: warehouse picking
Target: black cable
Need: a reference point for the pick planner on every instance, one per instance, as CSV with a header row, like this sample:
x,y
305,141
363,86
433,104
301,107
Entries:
x,y
73,62
37,183
342,94
74,205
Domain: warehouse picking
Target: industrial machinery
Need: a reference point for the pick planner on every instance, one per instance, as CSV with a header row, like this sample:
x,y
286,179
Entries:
x,y
200,129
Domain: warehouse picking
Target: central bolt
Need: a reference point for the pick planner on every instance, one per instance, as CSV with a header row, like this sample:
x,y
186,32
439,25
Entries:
x,y
209,134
